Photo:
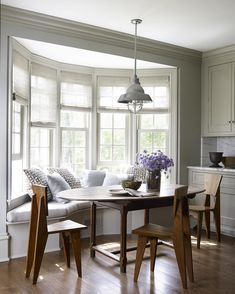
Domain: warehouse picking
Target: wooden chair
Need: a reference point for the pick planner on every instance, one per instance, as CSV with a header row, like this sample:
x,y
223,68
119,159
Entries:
x,y
179,234
212,187
39,231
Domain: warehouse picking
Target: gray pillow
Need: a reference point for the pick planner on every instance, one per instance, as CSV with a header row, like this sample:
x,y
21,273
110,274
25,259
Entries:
x,y
92,178
112,179
67,175
57,184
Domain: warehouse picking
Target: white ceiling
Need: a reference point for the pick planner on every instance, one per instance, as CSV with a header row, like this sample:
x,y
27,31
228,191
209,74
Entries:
x,y
200,24
83,57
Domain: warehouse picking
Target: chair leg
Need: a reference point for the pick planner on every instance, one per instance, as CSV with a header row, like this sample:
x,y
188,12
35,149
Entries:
x,y
207,223
217,224
76,243
199,228
153,250
142,241
66,247
39,251
179,247
32,240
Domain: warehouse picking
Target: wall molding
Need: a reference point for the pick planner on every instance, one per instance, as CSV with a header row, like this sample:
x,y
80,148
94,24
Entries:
x,y
220,55
93,33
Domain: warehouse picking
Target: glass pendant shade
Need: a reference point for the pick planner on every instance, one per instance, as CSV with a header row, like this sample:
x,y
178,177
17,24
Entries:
x,y
135,96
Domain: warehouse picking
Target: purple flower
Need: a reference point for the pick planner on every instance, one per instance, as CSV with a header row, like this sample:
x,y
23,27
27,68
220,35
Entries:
x,y
156,160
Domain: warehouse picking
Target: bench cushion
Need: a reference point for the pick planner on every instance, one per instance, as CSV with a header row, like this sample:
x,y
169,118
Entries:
x,y
56,210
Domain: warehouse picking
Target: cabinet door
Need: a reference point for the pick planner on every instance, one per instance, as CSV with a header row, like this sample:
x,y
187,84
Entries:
x,y
220,99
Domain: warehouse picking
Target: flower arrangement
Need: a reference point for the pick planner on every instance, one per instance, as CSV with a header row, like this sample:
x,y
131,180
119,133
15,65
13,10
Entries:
x,y
156,160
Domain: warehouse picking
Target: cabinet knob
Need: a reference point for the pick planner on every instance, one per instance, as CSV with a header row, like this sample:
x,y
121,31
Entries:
x,y
230,121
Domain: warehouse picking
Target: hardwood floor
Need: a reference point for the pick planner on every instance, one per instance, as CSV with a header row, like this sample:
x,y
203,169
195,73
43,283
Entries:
x,y
214,268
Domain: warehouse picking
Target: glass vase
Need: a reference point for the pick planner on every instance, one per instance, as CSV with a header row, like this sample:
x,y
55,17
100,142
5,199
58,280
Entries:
x,y
153,180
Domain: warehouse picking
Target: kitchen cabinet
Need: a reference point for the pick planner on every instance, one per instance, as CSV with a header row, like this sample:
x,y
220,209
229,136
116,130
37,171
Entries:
x,y
227,192
218,112
221,100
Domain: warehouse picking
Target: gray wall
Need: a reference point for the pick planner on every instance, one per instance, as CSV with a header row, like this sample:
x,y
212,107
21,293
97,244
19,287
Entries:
x,y
24,24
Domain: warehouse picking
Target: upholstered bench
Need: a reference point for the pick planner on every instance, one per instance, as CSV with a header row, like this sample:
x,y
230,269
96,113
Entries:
x,y
18,217
55,210
19,210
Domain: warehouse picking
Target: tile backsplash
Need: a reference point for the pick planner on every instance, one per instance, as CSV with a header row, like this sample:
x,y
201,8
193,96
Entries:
x,y
220,144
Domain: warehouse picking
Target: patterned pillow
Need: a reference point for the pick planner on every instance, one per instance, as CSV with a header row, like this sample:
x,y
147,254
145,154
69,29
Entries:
x,y
37,176
67,175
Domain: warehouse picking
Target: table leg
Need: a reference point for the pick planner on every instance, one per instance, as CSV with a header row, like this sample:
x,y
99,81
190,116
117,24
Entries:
x,y
93,229
146,216
123,259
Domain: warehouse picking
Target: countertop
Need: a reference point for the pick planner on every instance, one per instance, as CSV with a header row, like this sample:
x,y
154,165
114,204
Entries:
x,y
207,168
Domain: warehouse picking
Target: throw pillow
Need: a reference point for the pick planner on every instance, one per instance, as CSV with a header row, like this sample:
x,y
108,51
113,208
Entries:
x,y
93,178
112,179
67,175
57,184
36,176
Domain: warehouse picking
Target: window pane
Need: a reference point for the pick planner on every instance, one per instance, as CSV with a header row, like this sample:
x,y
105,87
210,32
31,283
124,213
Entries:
x,y
161,121
17,177
106,120
119,137
146,121
41,148
105,153
74,150
119,120
119,153
159,141
106,137
112,138
145,141
16,141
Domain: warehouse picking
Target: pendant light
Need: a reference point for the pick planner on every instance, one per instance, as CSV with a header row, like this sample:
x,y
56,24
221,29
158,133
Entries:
x,y
135,96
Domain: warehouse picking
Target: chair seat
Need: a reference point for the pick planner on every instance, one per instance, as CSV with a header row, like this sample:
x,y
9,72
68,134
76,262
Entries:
x,y
152,230
63,226
198,208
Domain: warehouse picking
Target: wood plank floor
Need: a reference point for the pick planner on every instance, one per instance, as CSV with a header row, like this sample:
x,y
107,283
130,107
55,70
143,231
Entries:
x,y
214,269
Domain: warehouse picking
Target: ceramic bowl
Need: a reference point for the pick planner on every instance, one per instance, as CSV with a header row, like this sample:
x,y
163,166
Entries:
x,y
131,184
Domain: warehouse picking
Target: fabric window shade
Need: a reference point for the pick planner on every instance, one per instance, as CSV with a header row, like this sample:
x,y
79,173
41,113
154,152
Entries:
x,y
20,76
156,81
158,89
110,89
76,89
43,94
105,81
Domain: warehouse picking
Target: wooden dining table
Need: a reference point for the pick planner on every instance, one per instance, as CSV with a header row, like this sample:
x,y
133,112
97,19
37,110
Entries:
x,y
101,196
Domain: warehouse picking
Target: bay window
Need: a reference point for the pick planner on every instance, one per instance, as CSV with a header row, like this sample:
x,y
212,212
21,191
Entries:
x,y
68,116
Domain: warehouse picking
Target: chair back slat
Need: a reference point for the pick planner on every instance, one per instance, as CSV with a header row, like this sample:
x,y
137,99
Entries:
x,y
41,192
212,184
180,193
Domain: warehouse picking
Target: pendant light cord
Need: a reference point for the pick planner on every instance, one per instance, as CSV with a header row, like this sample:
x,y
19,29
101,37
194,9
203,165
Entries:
x,y
135,21
135,48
